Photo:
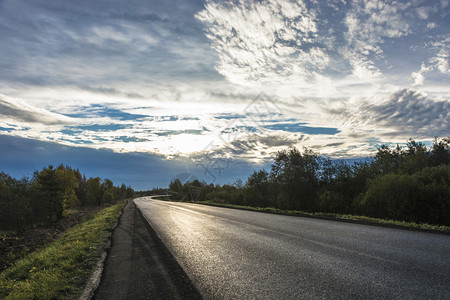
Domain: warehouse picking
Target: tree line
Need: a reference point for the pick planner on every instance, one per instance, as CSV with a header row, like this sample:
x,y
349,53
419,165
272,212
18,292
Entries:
x,y
410,183
43,198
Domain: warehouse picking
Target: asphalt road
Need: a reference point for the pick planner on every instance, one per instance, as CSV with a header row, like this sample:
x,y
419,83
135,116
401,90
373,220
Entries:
x,y
236,254
139,266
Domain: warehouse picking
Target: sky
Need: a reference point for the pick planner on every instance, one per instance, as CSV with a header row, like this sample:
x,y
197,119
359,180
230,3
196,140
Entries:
x,y
142,91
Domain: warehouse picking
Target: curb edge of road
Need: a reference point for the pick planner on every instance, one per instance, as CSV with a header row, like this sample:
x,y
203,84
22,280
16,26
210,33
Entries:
x,y
93,282
187,280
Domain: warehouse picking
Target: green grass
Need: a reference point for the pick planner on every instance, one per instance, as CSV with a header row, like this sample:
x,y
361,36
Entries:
x,y
60,270
354,218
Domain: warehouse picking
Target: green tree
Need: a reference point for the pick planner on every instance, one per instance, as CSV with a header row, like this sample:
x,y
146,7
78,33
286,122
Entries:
x,y
15,209
108,189
130,192
68,182
297,175
337,190
440,152
81,190
416,157
257,189
176,189
49,197
94,192
387,160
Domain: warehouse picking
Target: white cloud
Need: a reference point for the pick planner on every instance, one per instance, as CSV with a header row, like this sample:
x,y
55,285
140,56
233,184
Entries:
x,y
424,11
369,24
17,110
405,113
263,42
418,76
431,26
444,3
440,61
333,64
296,44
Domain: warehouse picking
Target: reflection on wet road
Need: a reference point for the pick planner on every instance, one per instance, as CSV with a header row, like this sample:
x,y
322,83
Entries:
x,y
239,254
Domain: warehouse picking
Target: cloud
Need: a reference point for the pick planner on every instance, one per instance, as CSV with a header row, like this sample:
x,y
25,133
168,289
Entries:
x,y
102,43
431,26
21,157
300,127
17,110
113,91
101,111
260,41
440,61
290,48
369,24
424,11
169,78
405,113
419,77
275,41
437,63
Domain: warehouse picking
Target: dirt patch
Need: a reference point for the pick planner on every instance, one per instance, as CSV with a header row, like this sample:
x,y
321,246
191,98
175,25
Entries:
x,y
14,246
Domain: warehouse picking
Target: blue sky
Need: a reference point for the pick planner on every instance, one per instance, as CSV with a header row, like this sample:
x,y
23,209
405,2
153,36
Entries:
x,y
216,87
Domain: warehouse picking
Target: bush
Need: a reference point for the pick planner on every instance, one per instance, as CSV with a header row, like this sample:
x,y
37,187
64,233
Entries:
x,y
437,193
421,197
332,201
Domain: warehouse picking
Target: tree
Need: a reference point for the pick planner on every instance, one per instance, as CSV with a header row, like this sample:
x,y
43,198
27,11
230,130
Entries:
x,y
49,197
107,188
297,175
238,183
130,192
257,189
387,160
416,157
176,189
337,189
94,192
68,182
81,190
123,191
440,152
15,210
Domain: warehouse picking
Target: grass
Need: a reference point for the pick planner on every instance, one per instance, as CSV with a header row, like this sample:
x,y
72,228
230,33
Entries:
x,y
341,217
60,270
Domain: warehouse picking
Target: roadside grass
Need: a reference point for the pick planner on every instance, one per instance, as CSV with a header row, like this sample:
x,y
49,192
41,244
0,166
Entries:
x,y
341,217
60,270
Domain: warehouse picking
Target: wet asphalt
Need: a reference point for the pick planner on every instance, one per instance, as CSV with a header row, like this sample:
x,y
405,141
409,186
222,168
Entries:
x,y
236,254
139,266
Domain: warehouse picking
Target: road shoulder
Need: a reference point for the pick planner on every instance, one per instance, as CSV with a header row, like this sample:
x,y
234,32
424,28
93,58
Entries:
x,y
139,266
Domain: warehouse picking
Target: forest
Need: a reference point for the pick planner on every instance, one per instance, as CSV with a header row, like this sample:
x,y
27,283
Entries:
x,y
410,183
45,196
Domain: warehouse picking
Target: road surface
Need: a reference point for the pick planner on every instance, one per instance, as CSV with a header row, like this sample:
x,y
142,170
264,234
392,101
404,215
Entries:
x,y
237,254
139,266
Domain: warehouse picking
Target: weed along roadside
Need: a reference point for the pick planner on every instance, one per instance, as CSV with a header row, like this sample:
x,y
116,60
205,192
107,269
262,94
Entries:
x,y
61,270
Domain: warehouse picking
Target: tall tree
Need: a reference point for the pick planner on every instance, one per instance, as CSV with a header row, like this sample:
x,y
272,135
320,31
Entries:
x,y
297,175
257,189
